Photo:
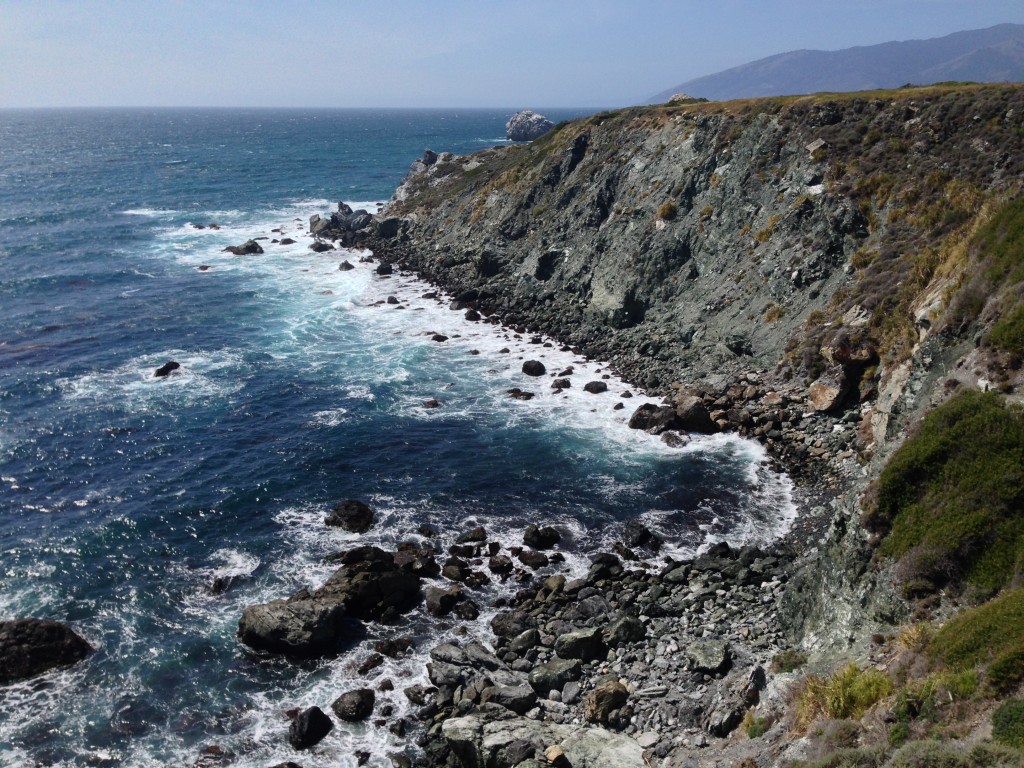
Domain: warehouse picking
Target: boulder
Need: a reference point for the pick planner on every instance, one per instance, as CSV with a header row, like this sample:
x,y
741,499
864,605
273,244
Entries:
x,y
30,647
534,368
527,125
493,736
245,249
692,416
541,537
370,586
653,418
628,629
354,706
286,241
585,644
317,224
389,227
476,535
345,266
595,387
319,246
708,656
518,394
829,390
603,700
166,368
352,515
561,384
533,560
441,601
636,534
518,698
384,269
309,727
553,675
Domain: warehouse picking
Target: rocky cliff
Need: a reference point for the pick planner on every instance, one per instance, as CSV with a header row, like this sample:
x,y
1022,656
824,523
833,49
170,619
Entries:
x,y
816,272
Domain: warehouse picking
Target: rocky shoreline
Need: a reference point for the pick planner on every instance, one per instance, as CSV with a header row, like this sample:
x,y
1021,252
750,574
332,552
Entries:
x,y
642,661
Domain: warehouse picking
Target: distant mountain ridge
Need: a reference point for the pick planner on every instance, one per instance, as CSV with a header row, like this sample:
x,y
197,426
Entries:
x,y
995,54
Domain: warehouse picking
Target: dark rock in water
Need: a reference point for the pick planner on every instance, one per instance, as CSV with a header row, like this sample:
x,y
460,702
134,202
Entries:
x,y
345,266
673,439
595,387
369,586
309,728
692,416
618,407
384,269
439,337
394,647
527,126
287,241
500,564
431,403
30,647
166,368
636,534
392,300
518,394
533,560
441,602
653,418
534,368
472,315
245,249
203,267
541,538
352,515
355,705
477,534
319,246
561,384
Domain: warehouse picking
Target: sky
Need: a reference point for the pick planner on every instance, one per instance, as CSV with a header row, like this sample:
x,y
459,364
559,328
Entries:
x,y
426,53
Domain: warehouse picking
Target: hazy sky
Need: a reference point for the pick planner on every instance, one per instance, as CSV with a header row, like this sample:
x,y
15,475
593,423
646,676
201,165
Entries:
x,y
514,53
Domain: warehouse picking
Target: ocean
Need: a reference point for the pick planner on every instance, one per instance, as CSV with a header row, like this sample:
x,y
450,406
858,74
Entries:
x,y
123,496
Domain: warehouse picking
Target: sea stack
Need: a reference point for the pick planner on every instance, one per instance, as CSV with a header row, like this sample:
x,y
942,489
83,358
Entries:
x,y
527,126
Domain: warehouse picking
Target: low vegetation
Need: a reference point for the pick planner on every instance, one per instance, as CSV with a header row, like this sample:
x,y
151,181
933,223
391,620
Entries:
x,y
949,503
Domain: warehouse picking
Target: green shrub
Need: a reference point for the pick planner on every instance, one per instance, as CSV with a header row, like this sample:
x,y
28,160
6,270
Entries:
x,y
845,694
1007,333
1008,723
789,660
982,635
872,757
898,734
668,210
950,499
1007,671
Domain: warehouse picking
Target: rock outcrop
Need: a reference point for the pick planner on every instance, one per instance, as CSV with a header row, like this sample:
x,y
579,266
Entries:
x,y
30,647
527,126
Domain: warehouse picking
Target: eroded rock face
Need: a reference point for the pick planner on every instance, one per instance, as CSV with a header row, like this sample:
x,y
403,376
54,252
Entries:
x,y
527,126
30,647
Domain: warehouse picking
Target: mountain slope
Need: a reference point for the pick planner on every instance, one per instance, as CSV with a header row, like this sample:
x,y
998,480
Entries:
x,y
995,54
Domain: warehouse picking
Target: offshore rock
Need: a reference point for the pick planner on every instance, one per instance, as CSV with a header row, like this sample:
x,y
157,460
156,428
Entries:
x,y
354,706
245,249
309,728
370,586
352,515
30,647
527,126
166,369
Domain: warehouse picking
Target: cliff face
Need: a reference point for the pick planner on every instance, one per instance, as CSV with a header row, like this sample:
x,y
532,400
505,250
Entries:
x,y
808,266
825,239
689,242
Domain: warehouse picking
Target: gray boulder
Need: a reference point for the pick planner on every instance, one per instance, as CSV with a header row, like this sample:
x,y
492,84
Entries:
x,y
309,727
245,249
527,126
583,644
554,674
354,706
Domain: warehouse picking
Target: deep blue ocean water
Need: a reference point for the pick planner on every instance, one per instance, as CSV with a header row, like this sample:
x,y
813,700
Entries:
x,y
123,496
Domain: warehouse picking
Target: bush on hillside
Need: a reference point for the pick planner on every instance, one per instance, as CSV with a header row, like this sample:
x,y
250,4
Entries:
x,y
1008,723
949,502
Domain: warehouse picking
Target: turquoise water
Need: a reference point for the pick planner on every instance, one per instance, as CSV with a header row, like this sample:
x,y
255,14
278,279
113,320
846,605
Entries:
x,y
123,496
